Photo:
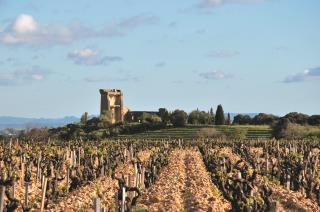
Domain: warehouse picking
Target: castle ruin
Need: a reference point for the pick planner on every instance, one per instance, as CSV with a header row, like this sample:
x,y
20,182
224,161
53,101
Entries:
x,y
112,100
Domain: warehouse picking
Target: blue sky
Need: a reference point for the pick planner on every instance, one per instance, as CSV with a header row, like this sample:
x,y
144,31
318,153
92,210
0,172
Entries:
x,y
248,55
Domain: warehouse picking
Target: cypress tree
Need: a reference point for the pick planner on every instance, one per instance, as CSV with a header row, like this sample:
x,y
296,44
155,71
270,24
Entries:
x,y
84,118
219,119
211,116
228,120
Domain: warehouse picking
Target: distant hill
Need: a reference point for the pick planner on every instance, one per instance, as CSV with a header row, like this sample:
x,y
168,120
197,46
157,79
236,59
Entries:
x,y
22,123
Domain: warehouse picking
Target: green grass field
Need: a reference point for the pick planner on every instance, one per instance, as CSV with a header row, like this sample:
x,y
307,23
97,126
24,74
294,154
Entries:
x,y
190,132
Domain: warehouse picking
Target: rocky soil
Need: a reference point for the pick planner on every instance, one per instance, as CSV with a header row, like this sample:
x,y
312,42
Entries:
x,y
184,185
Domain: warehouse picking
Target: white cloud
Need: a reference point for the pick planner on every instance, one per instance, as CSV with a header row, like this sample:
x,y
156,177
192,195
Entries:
x,y
223,54
138,20
91,57
216,3
25,24
37,77
27,30
125,78
307,75
213,2
84,53
215,75
21,77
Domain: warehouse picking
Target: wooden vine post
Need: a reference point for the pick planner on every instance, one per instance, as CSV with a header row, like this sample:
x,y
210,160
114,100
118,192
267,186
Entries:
x,y
38,169
125,154
26,187
13,188
68,175
123,202
43,197
22,170
74,159
79,157
288,182
135,180
131,152
102,166
142,176
116,201
267,163
239,176
97,204
2,192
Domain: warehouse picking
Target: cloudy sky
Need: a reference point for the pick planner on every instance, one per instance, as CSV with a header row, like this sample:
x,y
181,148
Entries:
x,y
248,55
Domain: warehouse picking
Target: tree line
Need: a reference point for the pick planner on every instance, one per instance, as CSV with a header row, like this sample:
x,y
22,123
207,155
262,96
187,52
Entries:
x,y
270,119
292,125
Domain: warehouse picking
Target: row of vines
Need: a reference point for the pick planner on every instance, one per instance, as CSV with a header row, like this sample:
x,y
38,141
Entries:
x,y
160,175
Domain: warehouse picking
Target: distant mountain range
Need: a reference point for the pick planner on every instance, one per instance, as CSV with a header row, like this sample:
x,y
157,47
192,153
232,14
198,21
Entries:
x,y
23,123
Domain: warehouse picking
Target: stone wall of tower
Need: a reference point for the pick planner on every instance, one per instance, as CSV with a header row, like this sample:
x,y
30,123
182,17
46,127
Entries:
x,y
112,100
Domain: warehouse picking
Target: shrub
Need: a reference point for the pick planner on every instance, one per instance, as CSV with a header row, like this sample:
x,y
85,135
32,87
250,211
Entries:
x,y
209,133
293,131
114,131
96,135
239,133
106,117
285,129
314,134
279,127
37,134
96,124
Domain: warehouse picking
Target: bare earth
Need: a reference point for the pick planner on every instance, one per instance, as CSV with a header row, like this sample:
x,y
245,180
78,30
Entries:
x,y
184,185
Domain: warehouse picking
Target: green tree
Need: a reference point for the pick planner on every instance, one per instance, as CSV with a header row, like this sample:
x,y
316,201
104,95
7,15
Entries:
x,y
297,118
164,115
219,119
242,119
211,116
263,118
194,117
84,118
228,121
199,117
179,118
148,117
314,120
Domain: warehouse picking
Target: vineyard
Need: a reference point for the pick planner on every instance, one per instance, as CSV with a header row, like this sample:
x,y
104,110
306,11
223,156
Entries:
x,y
160,175
250,132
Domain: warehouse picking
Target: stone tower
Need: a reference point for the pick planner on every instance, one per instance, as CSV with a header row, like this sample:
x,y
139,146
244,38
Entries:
x,y
112,100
